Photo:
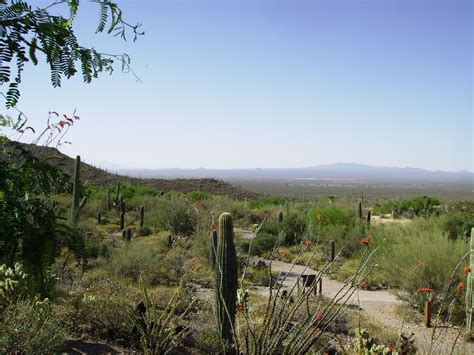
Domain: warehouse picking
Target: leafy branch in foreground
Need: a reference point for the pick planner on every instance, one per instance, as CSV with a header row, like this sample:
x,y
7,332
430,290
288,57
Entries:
x,y
25,31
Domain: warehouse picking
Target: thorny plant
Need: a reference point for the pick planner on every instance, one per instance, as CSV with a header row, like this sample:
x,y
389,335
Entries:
x,y
283,329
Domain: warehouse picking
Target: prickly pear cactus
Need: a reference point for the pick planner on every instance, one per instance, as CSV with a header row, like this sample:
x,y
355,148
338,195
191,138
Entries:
x,y
226,280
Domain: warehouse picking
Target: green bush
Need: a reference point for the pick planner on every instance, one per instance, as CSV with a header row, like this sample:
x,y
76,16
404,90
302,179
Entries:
x,y
28,326
291,230
416,206
457,224
144,231
267,201
133,259
198,196
261,243
420,255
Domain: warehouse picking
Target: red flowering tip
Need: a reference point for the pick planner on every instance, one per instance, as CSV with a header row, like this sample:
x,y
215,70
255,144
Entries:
x,y
424,290
318,316
308,243
459,288
284,253
212,226
318,217
61,123
365,241
467,270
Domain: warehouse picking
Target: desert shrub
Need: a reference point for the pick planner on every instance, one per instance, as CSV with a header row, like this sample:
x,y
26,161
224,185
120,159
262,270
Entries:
x,y
330,216
260,276
157,333
290,231
176,216
261,243
135,258
29,326
94,246
416,206
458,224
267,201
98,313
198,196
420,256
144,231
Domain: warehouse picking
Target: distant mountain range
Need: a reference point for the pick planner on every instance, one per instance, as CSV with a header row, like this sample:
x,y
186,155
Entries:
x,y
337,171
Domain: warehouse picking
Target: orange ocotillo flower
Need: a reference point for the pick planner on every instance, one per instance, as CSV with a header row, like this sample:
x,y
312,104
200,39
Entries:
x,y
459,288
212,226
308,243
467,270
284,253
367,240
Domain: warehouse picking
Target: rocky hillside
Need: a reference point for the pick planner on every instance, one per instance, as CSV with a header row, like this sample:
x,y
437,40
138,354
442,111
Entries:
x,y
99,177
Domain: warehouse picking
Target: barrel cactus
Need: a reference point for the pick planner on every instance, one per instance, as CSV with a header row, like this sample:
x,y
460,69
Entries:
x,y
226,280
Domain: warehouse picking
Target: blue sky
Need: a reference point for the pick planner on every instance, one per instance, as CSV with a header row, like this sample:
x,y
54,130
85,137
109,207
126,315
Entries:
x,y
274,83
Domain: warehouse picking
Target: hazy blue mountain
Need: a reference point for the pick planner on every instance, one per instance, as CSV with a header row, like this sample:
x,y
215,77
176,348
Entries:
x,y
337,171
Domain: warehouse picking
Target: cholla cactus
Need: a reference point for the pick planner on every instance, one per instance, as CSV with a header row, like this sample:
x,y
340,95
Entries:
x,y
12,283
365,344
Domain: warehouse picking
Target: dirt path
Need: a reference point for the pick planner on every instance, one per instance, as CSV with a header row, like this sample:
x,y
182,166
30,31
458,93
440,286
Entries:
x,y
378,305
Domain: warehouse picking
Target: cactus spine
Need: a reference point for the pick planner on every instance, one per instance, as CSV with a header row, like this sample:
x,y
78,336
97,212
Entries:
x,y
77,203
470,286
213,248
226,280
142,216
359,209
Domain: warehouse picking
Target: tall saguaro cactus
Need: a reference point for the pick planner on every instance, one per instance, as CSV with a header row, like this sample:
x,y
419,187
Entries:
x,y
77,203
226,280
142,216
470,286
359,209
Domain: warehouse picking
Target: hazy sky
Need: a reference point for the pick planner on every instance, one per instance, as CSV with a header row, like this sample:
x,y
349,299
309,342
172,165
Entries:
x,y
274,83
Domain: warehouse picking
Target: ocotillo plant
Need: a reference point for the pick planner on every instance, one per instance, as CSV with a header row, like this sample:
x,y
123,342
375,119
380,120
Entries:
x,y
359,209
141,211
470,286
122,220
77,204
213,248
226,280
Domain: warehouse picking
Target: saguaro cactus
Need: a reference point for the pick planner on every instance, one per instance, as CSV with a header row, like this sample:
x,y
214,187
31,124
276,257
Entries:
x,y
470,286
99,217
280,217
369,217
332,250
122,220
77,203
359,209
142,216
226,280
